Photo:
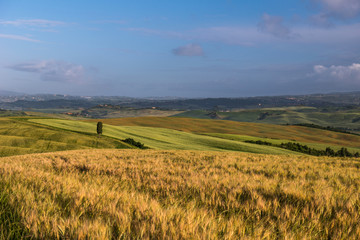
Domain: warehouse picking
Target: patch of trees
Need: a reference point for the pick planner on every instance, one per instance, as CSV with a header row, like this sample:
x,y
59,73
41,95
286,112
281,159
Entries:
x,y
343,152
135,143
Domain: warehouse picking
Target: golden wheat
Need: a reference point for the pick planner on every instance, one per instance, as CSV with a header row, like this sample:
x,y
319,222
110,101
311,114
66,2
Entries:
x,y
126,194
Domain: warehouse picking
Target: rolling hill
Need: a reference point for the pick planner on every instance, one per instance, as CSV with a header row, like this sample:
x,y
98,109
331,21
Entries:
x,y
162,138
22,137
270,131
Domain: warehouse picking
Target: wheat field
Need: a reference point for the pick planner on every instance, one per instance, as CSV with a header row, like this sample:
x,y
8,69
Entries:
x,y
158,194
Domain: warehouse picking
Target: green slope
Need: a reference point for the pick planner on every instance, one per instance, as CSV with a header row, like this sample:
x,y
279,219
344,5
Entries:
x,y
22,137
161,138
199,126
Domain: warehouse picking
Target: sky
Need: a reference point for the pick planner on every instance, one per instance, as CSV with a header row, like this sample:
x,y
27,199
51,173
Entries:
x,y
188,48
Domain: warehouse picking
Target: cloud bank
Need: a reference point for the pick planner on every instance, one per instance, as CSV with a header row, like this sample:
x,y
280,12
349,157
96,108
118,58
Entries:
x,y
349,73
53,70
189,50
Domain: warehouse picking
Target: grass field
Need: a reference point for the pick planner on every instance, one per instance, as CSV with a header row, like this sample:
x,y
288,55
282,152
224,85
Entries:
x,y
22,137
271,131
149,194
162,138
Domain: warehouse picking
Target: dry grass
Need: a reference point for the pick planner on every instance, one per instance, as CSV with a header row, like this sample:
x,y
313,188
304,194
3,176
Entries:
x,y
149,194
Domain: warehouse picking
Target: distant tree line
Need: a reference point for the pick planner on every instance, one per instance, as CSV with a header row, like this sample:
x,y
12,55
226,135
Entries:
x,y
343,152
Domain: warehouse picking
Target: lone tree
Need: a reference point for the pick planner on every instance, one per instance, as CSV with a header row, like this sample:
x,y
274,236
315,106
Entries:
x,y
99,128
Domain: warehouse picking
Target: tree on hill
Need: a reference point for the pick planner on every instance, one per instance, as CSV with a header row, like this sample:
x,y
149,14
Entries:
x,y
99,128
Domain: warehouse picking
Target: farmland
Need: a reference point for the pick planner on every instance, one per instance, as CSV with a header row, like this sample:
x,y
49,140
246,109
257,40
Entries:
x,y
199,180
156,194
22,137
271,131
162,138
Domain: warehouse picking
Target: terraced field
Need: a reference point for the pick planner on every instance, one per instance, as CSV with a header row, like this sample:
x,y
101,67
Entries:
x,y
149,194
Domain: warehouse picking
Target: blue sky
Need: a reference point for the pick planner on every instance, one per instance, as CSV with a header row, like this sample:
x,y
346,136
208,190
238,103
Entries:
x,y
211,48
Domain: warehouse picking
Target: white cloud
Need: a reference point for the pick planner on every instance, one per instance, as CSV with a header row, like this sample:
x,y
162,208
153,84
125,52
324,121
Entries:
x,y
42,23
18,37
349,73
274,26
53,70
189,50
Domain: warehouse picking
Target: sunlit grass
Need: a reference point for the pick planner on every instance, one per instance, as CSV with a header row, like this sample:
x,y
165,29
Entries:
x,y
163,138
182,194
22,137
298,133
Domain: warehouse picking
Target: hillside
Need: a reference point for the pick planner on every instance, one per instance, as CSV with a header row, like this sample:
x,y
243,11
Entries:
x,y
271,131
21,137
162,138
56,101
133,194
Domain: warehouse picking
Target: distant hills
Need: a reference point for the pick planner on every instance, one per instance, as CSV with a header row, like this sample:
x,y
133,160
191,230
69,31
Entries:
x,y
18,101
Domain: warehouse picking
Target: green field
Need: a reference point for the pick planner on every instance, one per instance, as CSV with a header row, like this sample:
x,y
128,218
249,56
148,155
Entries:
x,y
22,137
162,138
271,131
32,135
